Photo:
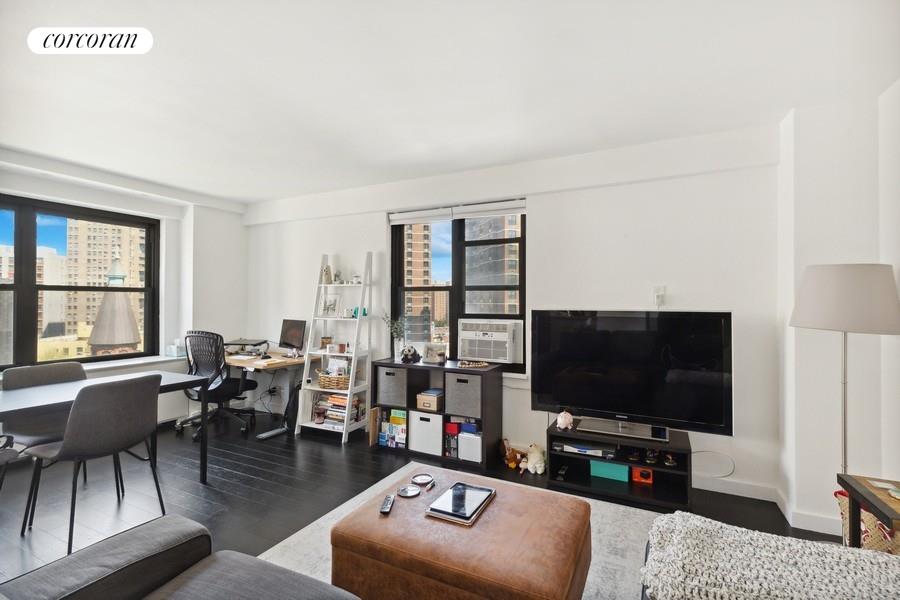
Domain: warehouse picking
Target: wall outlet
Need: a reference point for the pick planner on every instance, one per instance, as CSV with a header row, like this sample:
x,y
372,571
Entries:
x,y
659,295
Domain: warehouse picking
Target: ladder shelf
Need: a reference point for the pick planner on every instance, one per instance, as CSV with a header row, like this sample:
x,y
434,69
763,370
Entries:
x,y
357,361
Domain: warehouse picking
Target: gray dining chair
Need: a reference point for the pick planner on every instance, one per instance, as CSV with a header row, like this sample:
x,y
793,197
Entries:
x,y
106,418
47,427
7,455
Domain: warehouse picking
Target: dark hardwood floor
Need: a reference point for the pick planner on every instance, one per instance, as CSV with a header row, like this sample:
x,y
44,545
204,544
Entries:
x,y
258,494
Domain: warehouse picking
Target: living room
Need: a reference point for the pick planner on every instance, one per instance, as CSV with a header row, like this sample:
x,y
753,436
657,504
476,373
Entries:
x,y
291,182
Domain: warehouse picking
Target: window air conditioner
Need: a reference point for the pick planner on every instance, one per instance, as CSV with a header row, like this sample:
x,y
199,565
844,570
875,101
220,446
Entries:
x,y
492,340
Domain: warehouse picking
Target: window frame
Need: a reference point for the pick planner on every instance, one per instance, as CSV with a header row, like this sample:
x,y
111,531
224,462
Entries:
x,y
456,308
26,289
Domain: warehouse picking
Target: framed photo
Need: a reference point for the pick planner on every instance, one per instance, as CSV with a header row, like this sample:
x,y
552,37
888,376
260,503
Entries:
x,y
331,306
434,353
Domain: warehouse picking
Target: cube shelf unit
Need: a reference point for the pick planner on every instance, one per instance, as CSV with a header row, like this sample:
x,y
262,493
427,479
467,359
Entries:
x,y
671,487
357,356
471,393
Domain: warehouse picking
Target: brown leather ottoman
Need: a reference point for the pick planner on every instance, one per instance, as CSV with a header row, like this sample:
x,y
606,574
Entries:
x,y
528,543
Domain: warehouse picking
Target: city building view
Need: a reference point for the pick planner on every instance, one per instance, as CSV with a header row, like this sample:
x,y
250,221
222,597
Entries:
x,y
76,323
428,264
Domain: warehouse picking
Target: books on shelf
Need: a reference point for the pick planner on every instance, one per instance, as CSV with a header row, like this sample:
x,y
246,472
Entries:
x,y
335,408
393,429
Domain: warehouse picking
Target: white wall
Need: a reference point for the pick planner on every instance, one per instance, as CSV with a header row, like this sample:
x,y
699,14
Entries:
x,y
830,214
697,215
889,206
710,239
285,258
218,272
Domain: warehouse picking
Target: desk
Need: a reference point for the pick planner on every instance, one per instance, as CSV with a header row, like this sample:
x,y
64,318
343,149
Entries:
x,y
877,501
41,397
277,362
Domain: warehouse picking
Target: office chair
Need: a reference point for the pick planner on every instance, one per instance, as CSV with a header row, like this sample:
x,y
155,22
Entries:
x,y
106,419
206,357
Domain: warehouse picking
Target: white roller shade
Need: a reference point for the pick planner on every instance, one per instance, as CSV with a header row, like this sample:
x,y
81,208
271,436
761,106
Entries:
x,y
484,209
489,209
420,216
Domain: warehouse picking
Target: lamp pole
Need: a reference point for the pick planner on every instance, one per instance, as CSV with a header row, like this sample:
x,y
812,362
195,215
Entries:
x,y
844,403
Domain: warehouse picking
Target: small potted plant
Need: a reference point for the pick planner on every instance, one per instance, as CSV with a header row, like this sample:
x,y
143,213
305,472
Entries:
x,y
398,333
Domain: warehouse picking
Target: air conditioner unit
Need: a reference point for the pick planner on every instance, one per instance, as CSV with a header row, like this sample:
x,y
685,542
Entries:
x,y
492,340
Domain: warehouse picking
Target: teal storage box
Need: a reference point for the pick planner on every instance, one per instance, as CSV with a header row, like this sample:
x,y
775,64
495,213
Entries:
x,y
607,470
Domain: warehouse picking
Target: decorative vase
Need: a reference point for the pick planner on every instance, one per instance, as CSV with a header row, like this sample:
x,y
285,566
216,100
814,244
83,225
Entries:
x,y
398,348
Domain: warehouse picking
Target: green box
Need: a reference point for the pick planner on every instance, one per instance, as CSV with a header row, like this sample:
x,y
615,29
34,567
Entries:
x,y
607,470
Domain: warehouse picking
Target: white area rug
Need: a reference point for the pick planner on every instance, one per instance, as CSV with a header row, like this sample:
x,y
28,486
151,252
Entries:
x,y
618,537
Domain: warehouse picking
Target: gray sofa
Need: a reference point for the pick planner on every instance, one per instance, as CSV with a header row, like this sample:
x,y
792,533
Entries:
x,y
169,557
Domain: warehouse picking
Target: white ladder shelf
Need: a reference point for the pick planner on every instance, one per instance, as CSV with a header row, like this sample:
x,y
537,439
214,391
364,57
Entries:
x,y
335,325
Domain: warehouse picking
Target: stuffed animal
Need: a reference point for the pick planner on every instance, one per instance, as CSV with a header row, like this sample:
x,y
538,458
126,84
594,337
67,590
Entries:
x,y
564,420
409,355
511,456
535,459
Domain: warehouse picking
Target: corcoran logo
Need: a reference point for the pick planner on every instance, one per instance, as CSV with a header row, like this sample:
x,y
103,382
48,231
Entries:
x,y
90,40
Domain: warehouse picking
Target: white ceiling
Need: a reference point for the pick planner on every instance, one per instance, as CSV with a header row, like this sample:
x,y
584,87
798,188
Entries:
x,y
262,99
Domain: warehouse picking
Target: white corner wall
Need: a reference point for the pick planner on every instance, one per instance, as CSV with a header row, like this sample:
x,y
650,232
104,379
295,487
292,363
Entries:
x,y
828,213
889,207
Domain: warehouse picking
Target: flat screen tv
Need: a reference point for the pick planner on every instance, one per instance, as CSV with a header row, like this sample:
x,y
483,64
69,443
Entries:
x,y
670,369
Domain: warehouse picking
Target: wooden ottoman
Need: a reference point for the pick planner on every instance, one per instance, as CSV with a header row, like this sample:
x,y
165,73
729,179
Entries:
x,y
528,543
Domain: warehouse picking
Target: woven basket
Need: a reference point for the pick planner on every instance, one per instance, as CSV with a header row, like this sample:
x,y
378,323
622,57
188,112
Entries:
x,y
333,382
874,535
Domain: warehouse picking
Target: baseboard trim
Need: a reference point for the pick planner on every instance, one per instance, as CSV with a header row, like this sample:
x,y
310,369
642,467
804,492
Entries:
x,y
737,487
816,522
829,524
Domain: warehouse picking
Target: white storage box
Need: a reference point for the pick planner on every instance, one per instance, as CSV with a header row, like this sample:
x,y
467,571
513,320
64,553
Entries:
x,y
470,446
425,432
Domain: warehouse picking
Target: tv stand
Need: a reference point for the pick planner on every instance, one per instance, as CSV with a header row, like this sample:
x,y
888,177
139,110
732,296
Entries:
x,y
624,428
671,486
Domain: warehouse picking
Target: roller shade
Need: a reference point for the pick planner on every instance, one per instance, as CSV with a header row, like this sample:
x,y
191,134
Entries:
x,y
484,209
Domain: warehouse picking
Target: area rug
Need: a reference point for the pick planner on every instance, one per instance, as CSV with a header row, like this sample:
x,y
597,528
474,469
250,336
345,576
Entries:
x,y
618,537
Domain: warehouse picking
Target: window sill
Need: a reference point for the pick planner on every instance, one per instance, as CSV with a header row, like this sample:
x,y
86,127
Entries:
x,y
517,381
127,363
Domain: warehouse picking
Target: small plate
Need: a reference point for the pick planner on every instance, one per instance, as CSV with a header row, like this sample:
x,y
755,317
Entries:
x,y
409,491
422,479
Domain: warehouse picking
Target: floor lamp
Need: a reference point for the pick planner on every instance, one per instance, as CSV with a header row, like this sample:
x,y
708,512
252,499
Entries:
x,y
853,298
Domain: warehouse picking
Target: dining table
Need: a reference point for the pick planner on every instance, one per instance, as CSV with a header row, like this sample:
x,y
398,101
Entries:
x,y
44,398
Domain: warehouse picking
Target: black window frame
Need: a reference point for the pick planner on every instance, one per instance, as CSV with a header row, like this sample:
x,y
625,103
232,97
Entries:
x,y
26,289
457,289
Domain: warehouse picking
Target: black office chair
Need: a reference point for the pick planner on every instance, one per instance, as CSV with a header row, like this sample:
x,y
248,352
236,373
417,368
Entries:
x,y
206,357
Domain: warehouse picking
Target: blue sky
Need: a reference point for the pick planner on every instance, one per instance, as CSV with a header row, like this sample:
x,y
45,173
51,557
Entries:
x,y
441,259
51,231
6,227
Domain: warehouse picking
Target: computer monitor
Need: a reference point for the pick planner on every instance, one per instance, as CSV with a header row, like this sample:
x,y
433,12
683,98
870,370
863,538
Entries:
x,y
292,334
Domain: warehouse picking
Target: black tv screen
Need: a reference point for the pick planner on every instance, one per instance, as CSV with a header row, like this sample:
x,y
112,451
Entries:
x,y
661,368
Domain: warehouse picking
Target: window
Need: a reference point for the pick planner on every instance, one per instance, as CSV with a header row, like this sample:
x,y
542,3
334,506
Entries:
x,y
461,268
75,283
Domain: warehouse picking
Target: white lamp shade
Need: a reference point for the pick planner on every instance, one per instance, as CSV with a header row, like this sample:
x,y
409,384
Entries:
x,y
857,298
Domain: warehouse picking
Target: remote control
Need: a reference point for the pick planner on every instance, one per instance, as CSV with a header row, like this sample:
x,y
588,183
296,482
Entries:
x,y
387,505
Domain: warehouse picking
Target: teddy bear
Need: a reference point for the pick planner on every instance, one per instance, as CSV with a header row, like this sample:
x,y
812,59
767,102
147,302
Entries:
x,y
511,456
533,461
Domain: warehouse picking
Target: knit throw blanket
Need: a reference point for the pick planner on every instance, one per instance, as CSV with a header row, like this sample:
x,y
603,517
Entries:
x,y
693,558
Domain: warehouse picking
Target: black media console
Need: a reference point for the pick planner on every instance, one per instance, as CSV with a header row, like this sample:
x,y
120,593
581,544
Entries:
x,y
671,486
